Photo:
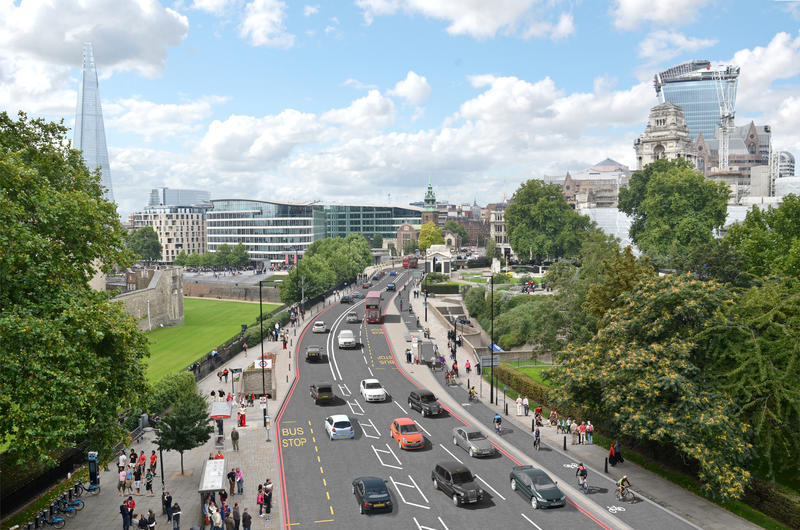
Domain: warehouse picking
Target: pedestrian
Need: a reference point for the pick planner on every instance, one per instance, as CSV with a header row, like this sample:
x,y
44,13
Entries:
x,y
268,497
232,481
239,481
223,497
408,355
247,520
526,405
244,347
142,524
284,342
468,367
225,375
216,520
176,517
218,456
237,518
235,439
126,517
121,483
229,524
123,460
148,483
130,504
260,500
151,520
142,461
612,455
166,503
582,432
573,429
618,451
589,433
129,480
137,480
153,461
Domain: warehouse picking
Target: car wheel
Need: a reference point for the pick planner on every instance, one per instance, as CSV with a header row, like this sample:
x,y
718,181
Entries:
x,y
471,452
534,503
513,485
399,444
456,501
435,484
354,490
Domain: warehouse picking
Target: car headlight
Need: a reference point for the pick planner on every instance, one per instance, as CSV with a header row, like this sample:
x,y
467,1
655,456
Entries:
x,y
405,441
562,499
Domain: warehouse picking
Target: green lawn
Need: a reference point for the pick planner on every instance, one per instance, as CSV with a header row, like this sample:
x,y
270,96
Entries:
x,y
207,324
534,372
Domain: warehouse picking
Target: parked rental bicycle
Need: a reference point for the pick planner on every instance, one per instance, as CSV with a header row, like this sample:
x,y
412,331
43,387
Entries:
x,y
54,521
80,489
61,506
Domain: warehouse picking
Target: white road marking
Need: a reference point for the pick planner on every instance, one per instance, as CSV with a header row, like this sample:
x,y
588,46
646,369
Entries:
x,y
355,403
451,454
365,359
344,390
534,524
491,488
370,424
423,428
444,525
378,453
401,408
370,371
403,498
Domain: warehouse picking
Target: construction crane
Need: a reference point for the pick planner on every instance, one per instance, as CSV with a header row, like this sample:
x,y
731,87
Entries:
x,y
726,97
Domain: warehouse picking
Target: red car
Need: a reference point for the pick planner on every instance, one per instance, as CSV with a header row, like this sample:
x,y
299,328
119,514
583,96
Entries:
x,y
407,434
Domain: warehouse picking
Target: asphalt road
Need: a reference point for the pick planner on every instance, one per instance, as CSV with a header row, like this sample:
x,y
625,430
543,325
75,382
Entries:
x,y
317,473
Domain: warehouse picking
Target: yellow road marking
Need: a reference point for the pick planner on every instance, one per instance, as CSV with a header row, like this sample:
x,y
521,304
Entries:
x,y
316,449
331,507
309,422
289,421
328,495
318,460
312,430
320,470
324,482
324,521
313,439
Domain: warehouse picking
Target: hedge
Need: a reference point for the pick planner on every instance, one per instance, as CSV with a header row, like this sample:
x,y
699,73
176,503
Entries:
x,y
443,288
527,386
774,501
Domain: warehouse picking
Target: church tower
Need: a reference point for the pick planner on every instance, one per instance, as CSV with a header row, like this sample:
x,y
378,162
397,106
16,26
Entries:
x,y
429,213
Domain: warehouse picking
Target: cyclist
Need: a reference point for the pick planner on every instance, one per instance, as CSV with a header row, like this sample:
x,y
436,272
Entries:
x,y
472,393
497,420
537,439
622,485
581,473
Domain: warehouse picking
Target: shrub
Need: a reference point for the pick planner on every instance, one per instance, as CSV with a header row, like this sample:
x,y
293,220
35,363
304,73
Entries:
x,y
445,288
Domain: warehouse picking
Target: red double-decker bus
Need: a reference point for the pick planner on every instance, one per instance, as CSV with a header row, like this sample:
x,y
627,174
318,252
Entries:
x,y
372,308
409,262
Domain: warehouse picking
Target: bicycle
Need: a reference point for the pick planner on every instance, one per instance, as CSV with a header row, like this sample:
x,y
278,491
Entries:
x,y
626,494
583,484
80,489
537,443
472,394
62,507
56,522
498,427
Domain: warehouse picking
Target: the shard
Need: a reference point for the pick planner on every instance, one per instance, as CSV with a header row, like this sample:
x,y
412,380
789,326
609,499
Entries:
x,y
90,134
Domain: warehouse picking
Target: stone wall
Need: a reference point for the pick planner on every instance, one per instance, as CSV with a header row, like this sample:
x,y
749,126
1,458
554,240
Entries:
x,y
246,293
250,381
160,303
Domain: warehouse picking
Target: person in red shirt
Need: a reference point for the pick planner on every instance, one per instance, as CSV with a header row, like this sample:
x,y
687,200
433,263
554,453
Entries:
x,y
153,460
218,456
142,460
130,504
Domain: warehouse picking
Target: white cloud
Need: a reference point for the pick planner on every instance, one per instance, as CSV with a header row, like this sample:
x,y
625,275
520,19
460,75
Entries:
x,y
631,14
355,83
414,88
476,18
152,120
310,10
132,35
663,45
215,7
264,24
373,112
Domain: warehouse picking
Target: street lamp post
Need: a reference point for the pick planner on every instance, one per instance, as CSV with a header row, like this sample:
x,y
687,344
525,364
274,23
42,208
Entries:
x,y
261,360
491,341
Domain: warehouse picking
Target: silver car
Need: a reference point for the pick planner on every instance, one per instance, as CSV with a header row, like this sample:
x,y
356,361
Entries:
x,y
352,317
473,441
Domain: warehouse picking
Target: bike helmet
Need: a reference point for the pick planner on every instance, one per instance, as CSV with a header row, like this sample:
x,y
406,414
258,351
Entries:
x,y
625,477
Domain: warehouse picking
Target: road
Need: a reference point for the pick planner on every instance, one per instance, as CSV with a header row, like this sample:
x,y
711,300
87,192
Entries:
x,y
316,473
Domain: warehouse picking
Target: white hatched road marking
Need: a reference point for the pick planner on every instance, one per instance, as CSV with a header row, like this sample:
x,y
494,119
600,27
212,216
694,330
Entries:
x,y
491,488
423,428
422,527
413,485
378,453
534,524
344,390
357,404
451,454
401,408
370,424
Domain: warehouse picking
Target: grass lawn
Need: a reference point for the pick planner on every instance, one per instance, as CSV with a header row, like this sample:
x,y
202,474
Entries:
x,y
207,323
534,372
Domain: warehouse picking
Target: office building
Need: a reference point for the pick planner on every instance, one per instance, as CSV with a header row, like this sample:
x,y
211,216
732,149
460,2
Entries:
x,y
90,133
179,229
693,87
172,197
785,164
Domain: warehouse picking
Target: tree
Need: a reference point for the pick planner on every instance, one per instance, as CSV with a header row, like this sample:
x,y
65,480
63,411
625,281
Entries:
x,y
181,259
377,241
194,260
674,209
769,239
620,276
717,260
429,235
541,225
71,357
410,246
223,257
491,249
458,229
239,256
187,426
642,372
144,242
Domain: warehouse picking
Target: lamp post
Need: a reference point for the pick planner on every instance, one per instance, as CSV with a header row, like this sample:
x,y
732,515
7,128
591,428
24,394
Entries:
x,y
261,360
491,341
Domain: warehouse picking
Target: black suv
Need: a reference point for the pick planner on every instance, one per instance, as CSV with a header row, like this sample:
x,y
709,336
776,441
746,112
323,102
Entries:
x,y
425,402
346,299
457,482
322,393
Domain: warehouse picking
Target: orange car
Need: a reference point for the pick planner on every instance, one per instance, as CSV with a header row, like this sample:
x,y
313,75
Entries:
x,y
407,434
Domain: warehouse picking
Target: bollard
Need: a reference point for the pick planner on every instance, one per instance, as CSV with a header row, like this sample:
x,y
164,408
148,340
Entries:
x,y
287,378
533,425
505,406
565,443
606,465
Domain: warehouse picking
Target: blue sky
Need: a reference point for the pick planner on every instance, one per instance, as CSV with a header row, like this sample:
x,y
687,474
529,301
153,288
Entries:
x,y
363,100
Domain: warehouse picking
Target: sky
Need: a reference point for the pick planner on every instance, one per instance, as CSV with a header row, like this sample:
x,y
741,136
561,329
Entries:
x,y
363,101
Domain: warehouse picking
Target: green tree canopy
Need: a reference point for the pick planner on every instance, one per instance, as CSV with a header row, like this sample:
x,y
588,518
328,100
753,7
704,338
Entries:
x,y
239,256
194,260
187,426
674,209
222,257
377,241
620,276
541,225
71,357
410,246
769,239
717,260
491,249
429,235
181,259
458,229
144,242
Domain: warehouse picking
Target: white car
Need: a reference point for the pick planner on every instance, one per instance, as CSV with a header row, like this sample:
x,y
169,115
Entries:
x,y
347,339
319,327
339,426
371,390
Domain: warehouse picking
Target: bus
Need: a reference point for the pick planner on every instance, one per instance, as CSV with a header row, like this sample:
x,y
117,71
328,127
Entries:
x,y
372,311
409,262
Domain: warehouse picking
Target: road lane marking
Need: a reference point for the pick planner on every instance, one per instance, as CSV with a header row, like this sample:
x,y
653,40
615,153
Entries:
x,y
403,498
321,471
324,482
534,524
357,404
343,388
419,490
422,527
451,454
370,371
328,495
401,408
423,428
445,526
491,488
322,521
378,453
369,423
318,460
331,507
365,358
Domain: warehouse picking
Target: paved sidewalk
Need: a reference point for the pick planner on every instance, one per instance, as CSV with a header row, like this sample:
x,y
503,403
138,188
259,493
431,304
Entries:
x,y
694,509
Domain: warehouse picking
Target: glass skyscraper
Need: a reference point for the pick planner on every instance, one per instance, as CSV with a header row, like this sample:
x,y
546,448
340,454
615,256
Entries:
x,y
693,87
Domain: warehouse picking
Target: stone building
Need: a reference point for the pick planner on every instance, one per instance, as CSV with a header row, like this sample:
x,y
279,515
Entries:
x,y
430,213
666,136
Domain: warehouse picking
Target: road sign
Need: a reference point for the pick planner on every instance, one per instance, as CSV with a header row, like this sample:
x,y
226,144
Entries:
x,y
263,401
486,361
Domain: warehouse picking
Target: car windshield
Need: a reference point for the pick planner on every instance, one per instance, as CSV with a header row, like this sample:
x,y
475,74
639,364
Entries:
x,y
375,492
352,315
324,389
543,481
342,424
409,429
427,398
475,436
372,385
319,324
461,477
